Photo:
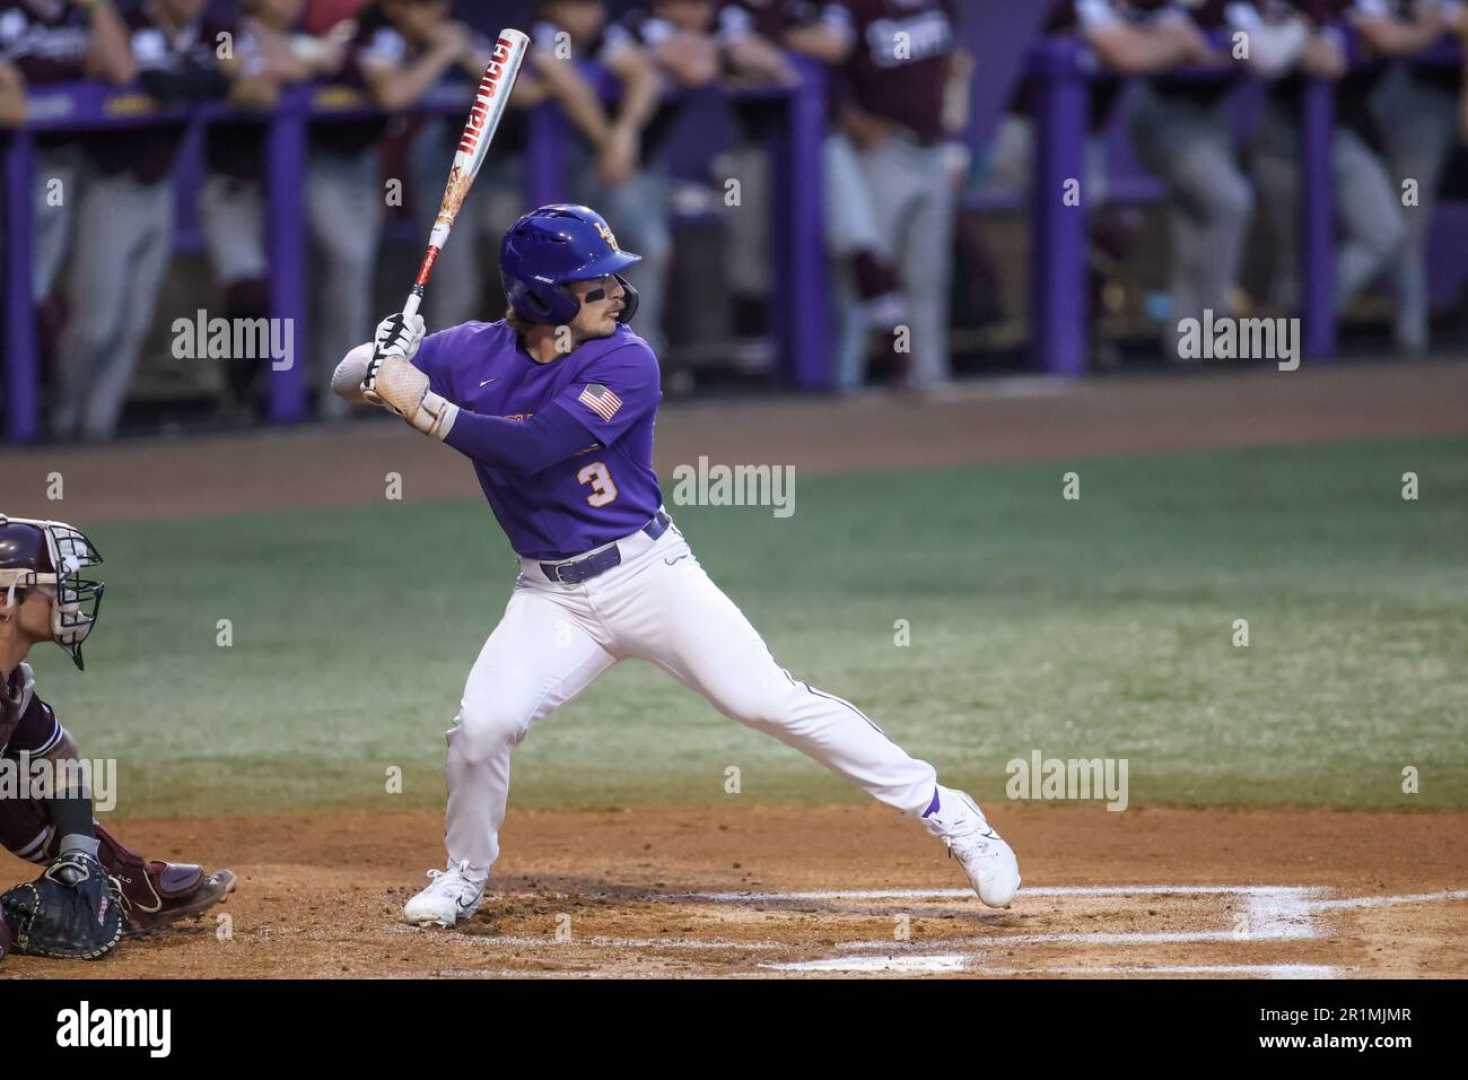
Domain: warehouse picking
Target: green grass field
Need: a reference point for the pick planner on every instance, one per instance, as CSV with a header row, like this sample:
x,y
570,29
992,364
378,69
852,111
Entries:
x,y
1093,628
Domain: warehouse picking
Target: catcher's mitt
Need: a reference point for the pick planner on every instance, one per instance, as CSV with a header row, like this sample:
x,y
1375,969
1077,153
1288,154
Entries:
x,y
68,913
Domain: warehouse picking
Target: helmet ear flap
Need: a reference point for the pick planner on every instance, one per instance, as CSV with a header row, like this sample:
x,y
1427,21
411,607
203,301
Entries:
x,y
630,300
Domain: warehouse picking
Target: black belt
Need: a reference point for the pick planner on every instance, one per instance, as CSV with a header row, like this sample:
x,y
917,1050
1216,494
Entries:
x,y
574,573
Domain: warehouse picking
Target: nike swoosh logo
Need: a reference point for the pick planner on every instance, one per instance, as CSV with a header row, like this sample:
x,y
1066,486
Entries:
x,y
486,382
670,562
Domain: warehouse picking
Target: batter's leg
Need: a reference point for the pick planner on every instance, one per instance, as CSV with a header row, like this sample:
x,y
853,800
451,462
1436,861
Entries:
x,y
672,614
539,657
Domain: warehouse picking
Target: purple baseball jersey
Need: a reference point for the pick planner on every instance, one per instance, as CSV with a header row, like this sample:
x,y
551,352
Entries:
x,y
611,386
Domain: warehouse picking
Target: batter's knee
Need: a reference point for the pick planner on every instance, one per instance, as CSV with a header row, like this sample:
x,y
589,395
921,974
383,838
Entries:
x,y
762,707
483,729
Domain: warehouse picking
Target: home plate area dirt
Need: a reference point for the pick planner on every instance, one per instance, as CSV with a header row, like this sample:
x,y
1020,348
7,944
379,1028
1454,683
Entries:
x,y
827,892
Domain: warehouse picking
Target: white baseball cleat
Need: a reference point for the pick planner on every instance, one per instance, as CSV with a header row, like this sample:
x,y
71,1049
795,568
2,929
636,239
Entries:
x,y
986,858
451,896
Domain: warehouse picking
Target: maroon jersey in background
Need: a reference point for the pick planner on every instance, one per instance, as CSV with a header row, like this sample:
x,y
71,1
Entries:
x,y
642,29
767,18
46,39
376,39
174,68
1354,91
899,78
1211,17
1077,17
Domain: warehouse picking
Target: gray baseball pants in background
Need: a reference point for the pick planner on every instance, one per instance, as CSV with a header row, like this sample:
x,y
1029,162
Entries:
x,y
124,233
1369,211
1190,147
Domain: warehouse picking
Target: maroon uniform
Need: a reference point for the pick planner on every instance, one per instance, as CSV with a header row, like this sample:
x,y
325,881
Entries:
x,y
377,40
642,29
1079,17
1210,16
46,39
174,67
898,68
27,726
770,19
1353,92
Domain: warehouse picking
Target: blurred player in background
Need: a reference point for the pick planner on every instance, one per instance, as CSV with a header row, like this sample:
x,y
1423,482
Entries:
x,y
755,35
55,41
1417,111
232,202
676,37
124,225
1369,210
1127,42
1182,131
399,51
606,153
901,58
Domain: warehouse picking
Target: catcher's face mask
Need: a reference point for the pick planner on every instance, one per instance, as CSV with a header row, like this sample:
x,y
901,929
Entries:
x,y
51,553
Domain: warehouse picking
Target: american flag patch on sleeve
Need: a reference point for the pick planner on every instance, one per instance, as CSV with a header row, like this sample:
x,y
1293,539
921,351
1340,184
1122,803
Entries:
x,y
600,400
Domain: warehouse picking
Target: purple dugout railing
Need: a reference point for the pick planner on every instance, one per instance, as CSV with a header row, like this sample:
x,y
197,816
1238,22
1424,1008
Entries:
x,y
800,271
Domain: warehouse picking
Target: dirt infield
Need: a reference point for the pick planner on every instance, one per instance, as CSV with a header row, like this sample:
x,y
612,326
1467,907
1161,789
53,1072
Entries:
x,y
744,890
1024,419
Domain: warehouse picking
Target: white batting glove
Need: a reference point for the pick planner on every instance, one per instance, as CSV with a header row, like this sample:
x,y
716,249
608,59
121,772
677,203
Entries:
x,y
396,336
402,388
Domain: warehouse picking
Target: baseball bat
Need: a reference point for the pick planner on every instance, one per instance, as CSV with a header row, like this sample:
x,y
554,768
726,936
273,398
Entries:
x,y
490,102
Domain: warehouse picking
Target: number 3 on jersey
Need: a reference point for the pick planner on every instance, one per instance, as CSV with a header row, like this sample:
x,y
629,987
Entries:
x,y
603,488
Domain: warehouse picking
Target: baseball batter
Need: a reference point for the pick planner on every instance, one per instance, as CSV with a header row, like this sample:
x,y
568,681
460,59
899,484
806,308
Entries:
x,y
555,406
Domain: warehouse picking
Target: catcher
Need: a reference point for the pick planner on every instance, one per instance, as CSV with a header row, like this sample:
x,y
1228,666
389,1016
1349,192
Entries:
x,y
95,889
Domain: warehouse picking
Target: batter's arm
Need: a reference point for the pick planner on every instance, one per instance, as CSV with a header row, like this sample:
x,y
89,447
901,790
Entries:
x,y
524,447
346,380
521,446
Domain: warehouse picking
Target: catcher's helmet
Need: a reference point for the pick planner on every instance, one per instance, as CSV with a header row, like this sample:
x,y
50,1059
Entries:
x,y
554,245
52,553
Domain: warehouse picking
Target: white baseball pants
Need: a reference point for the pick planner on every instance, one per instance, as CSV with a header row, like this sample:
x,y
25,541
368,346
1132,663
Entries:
x,y
660,606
